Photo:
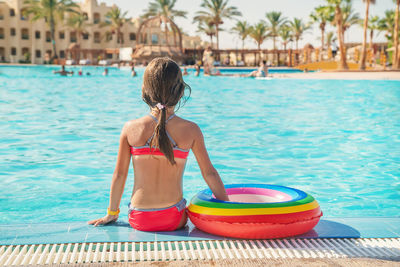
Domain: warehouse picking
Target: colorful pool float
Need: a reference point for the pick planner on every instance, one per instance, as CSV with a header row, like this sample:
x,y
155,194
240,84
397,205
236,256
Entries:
x,y
255,211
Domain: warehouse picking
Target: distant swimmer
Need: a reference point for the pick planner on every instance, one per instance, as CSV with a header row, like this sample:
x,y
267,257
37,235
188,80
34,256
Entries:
x,y
133,72
185,72
105,73
63,72
197,69
262,71
80,72
208,61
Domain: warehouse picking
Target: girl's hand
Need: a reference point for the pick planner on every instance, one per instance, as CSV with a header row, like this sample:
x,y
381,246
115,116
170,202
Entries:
x,y
106,219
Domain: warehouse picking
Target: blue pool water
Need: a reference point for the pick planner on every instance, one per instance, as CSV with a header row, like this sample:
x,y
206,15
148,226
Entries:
x,y
338,140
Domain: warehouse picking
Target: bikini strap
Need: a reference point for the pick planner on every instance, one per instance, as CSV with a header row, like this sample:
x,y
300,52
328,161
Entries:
x,y
168,119
170,138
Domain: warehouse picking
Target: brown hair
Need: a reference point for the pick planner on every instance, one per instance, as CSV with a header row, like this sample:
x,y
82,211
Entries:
x,y
163,84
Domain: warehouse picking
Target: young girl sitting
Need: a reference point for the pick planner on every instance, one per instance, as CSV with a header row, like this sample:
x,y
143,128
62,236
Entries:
x,y
159,144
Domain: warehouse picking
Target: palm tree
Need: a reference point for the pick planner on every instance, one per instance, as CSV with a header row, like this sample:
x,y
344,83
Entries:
x,y
116,20
215,11
243,29
50,11
322,15
208,29
298,28
275,20
396,58
330,37
164,9
364,44
286,35
259,33
387,24
337,6
350,18
373,25
78,22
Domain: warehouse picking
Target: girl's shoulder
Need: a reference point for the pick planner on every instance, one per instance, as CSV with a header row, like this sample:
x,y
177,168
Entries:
x,y
187,123
137,122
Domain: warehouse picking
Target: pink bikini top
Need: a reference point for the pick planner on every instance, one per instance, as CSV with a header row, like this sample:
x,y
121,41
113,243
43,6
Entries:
x,y
145,150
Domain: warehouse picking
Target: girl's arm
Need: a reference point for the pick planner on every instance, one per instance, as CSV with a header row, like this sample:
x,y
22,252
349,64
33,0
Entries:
x,y
118,179
208,171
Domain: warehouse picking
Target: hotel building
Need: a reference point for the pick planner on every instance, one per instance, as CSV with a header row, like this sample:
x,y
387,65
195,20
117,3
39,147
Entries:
x,y
22,39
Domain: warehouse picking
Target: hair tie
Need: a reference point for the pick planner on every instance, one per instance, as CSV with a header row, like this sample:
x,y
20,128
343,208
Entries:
x,y
160,106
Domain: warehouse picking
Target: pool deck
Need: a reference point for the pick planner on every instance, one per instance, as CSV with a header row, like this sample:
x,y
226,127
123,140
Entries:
x,y
254,263
372,241
79,232
341,75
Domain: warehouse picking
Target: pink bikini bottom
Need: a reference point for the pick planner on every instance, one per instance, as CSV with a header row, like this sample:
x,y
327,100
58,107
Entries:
x,y
164,219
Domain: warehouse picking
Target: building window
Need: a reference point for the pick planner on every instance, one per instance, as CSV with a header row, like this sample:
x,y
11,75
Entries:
x,y
109,56
47,55
108,36
13,51
85,15
2,54
154,39
22,15
25,51
120,40
61,35
97,37
96,18
62,54
72,37
38,54
12,12
24,34
1,15
48,37
85,36
37,34
12,32
1,33
132,36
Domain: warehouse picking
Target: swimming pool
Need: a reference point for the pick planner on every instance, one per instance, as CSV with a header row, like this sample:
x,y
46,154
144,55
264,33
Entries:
x,y
337,140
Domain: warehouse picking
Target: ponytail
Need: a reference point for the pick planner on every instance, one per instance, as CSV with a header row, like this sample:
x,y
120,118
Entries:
x,y
163,87
160,138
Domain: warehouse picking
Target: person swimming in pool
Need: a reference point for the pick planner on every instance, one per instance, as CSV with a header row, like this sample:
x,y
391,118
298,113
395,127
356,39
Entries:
x,y
197,70
63,72
262,71
159,144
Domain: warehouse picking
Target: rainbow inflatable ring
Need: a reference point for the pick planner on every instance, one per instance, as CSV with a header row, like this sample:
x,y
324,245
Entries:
x,y
255,211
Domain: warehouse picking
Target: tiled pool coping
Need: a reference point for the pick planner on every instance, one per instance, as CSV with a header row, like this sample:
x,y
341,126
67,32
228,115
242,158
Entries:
x,y
79,232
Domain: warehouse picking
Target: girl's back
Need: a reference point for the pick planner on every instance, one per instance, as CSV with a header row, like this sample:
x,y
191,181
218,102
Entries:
x,y
157,182
159,145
